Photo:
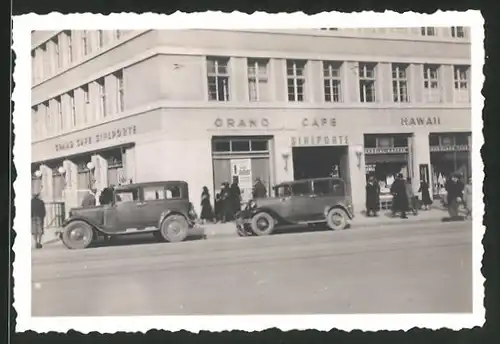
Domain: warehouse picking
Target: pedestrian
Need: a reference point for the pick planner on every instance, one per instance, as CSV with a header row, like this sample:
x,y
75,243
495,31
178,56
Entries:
x,y
259,189
106,196
372,197
226,203
468,199
454,189
218,207
206,208
235,194
412,204
89,200
37,219
399,197
426,196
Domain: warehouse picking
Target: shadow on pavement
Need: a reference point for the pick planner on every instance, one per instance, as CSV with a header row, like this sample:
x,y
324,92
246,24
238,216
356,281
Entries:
x,y
139,239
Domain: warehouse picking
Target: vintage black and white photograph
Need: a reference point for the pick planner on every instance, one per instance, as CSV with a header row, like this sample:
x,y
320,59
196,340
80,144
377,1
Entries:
x,y
311,170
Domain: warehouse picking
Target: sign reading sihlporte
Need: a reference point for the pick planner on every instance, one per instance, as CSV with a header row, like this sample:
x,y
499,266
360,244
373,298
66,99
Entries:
x,y
319,140
99,137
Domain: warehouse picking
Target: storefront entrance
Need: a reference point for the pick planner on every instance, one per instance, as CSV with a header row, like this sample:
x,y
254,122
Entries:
x,y
246,158
320,162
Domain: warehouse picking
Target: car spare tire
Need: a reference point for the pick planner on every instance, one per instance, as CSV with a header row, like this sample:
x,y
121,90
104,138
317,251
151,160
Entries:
x,y
337,218
262,224
77,235
174,228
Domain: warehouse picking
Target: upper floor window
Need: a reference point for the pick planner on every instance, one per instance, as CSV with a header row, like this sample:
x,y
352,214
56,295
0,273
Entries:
x,y
45,61
296,80
428,31
431,83
86,103
100,38
57,52
47,117
102,97
461,83
59,110
218,79
86,47
367,79
121,91
258,85
118,34
69,44
400,83
457,31
332,81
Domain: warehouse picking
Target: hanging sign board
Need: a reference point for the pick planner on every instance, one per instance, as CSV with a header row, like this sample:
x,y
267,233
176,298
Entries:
x,y
242,169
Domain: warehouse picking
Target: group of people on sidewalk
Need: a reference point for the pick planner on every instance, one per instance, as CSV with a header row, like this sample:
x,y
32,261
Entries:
x,y
227,201
405,200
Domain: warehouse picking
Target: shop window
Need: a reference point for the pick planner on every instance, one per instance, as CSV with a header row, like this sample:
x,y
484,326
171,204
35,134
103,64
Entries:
x,y
259,145
240,146
124,196
300,189
400,141
322,187
447,141
433,140
154,194
172,191
384,142
461,139
222,146
370,142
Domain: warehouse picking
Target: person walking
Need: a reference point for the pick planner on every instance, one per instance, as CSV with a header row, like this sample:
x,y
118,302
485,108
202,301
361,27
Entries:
x,y
412,204
454,189
37,218
400,198
206,208
235,194
426,197
372,197
468,199
259,189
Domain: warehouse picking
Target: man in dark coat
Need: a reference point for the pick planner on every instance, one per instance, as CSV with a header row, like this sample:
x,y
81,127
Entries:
x,y
235,194
37,218
400,197
226,203
259,189
372,197
454,189
106,196
89,200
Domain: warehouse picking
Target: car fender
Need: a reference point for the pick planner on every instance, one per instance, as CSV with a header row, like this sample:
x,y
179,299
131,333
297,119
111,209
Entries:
x,y
271,212
91,223
168,213
340,206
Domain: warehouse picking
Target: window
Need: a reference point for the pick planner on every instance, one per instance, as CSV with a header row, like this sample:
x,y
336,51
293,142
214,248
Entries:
x,y
457,31
100,38
322,187
102,97
71,95
431,83
57,51
460,77
259,145
296,80
370,141
46,69
154,194
283,191
240,146
120,99
86,48
258,86
222,146
400,141
123,196
399,83
428,31
332,81
69,40
172,191
218,79
367,82
300,189
60,118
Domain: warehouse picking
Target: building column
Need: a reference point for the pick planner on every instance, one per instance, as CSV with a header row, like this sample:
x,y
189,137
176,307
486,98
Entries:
x,y
71,188
129,164
46,191
357,178
239,83
469,142
383,87
111,86
420,155
100,172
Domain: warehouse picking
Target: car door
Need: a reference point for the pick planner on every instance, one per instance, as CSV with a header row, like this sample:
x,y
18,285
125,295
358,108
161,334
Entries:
x,y
284,206
128,209
301,201
323,197
154,199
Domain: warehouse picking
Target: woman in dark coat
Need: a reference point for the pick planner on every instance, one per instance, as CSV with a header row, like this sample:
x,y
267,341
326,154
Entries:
x,y
400,198
226,203
372,197
206,207
426,197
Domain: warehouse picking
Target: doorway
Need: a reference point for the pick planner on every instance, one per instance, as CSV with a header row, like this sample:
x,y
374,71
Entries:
x,y
320,162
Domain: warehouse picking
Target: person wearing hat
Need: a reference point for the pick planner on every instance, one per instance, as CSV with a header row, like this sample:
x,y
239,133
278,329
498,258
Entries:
x,y
37,218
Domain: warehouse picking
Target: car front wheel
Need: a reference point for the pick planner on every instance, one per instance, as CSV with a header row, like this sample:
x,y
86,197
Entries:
x,y
262,224
77,235
174,228
337,219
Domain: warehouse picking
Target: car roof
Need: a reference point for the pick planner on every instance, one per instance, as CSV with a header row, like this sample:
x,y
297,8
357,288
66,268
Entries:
x,y
146,184
291,182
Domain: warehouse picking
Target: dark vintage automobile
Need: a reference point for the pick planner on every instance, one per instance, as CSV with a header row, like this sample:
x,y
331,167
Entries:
x,y
160,208
302,202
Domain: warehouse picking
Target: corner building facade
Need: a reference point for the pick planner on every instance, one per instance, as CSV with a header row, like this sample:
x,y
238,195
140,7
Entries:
x,y
206,105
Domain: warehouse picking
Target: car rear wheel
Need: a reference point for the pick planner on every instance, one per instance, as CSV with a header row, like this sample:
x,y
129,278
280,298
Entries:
x,y
174,228
77,235
337,219
262,224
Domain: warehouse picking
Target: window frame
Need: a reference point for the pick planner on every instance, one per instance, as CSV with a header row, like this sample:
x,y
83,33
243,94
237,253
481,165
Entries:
x,y
457,31
366,81
296,80
101,85
457,80
398,82
332,82
428,31
217,75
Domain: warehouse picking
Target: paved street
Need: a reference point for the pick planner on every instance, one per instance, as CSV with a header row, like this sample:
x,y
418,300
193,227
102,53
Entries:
x,y
416,268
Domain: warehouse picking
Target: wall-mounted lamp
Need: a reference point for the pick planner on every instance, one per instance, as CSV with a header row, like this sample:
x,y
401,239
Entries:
x,y
90,166
38,174
359,154
285,156
61,170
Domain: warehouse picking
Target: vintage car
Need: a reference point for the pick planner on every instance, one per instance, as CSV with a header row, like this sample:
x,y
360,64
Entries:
x,y
302,202
160,208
